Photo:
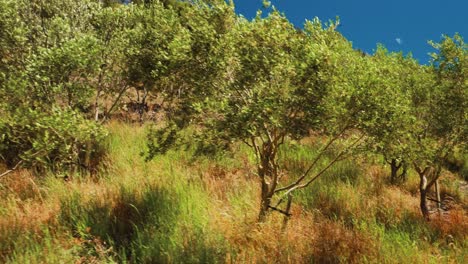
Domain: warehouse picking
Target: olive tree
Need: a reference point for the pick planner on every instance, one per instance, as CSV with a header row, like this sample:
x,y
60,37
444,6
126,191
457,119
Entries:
x,y
181,58
111,27
48,84
395,77
442,123
158,46
278,83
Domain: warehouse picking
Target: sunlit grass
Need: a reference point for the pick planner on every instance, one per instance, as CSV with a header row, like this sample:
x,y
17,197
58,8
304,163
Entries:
x,y
177,209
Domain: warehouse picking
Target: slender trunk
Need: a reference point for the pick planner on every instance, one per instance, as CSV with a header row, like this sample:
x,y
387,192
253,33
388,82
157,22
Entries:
x,y
437,190
264,203
394,170
287,215
142,105
423,204
265,198
404,174
96,106
423,192
96,113
265,172
99,91
114,104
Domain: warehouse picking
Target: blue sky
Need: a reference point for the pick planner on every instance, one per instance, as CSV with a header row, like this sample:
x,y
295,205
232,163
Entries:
x,y
399,25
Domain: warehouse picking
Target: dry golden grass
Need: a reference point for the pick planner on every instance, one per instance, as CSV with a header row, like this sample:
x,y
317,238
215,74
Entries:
x,y
453,223
329,230
266,242
23,203
335,244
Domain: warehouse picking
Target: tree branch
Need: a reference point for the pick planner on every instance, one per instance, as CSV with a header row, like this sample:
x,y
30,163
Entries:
x,y
304,175
121,92
279,210
296,187
12,170
435,178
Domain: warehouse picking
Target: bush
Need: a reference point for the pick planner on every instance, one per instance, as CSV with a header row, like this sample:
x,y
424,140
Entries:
x,y
56,140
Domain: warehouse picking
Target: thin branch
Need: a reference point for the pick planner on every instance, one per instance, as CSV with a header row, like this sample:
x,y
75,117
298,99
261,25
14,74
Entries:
x,y
419,170
240,95
12,170
288,209
268,133
313,163
436,177
432,199
282,139
257,150
387,160
247,143
296,187
121,92
331,163
279,210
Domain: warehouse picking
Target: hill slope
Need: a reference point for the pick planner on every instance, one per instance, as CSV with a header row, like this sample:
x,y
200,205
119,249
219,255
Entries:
x,y
176,209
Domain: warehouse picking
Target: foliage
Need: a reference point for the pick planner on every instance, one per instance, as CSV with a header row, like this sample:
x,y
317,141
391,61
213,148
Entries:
x,y
395,79
227,81
60,139
47,83
110,27
158,44
436,135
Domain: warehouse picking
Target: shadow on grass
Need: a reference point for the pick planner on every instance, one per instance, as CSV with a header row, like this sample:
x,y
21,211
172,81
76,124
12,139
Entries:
x,y
141,226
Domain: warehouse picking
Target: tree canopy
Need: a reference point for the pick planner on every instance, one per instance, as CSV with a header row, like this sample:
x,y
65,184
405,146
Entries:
x,y
67,65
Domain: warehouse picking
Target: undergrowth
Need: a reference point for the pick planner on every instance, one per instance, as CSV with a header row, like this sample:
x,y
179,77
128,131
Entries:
x,y
176,209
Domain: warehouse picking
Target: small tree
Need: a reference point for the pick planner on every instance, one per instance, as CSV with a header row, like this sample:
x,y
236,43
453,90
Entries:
x,y
443,119
48,84
186,63
58,140
158,47
395,77
279,83
111,25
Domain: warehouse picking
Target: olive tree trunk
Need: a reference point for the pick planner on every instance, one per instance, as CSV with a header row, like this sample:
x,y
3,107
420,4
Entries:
x,y
395,167
267,170
423,197
427,178
268,174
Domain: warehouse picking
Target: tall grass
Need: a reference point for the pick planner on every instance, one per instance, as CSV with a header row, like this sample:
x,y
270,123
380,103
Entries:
x,y
180,209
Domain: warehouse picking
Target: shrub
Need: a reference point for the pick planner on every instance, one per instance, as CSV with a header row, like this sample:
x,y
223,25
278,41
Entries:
x,y
55,140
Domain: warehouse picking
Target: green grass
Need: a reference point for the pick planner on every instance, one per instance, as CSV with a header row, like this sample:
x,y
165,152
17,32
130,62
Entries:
x,y
177,209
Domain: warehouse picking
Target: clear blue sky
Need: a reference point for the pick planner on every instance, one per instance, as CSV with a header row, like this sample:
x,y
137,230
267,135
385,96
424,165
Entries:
x,y
399,25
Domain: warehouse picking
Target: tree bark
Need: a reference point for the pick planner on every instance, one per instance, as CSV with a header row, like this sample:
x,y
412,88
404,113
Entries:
x,y
423,189
107,113
404,174
394,170
437,190
423,204
287,215
395,166
267,172
265,202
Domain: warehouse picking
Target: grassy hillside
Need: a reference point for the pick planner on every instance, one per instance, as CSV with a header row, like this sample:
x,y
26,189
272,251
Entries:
x,y
177,209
